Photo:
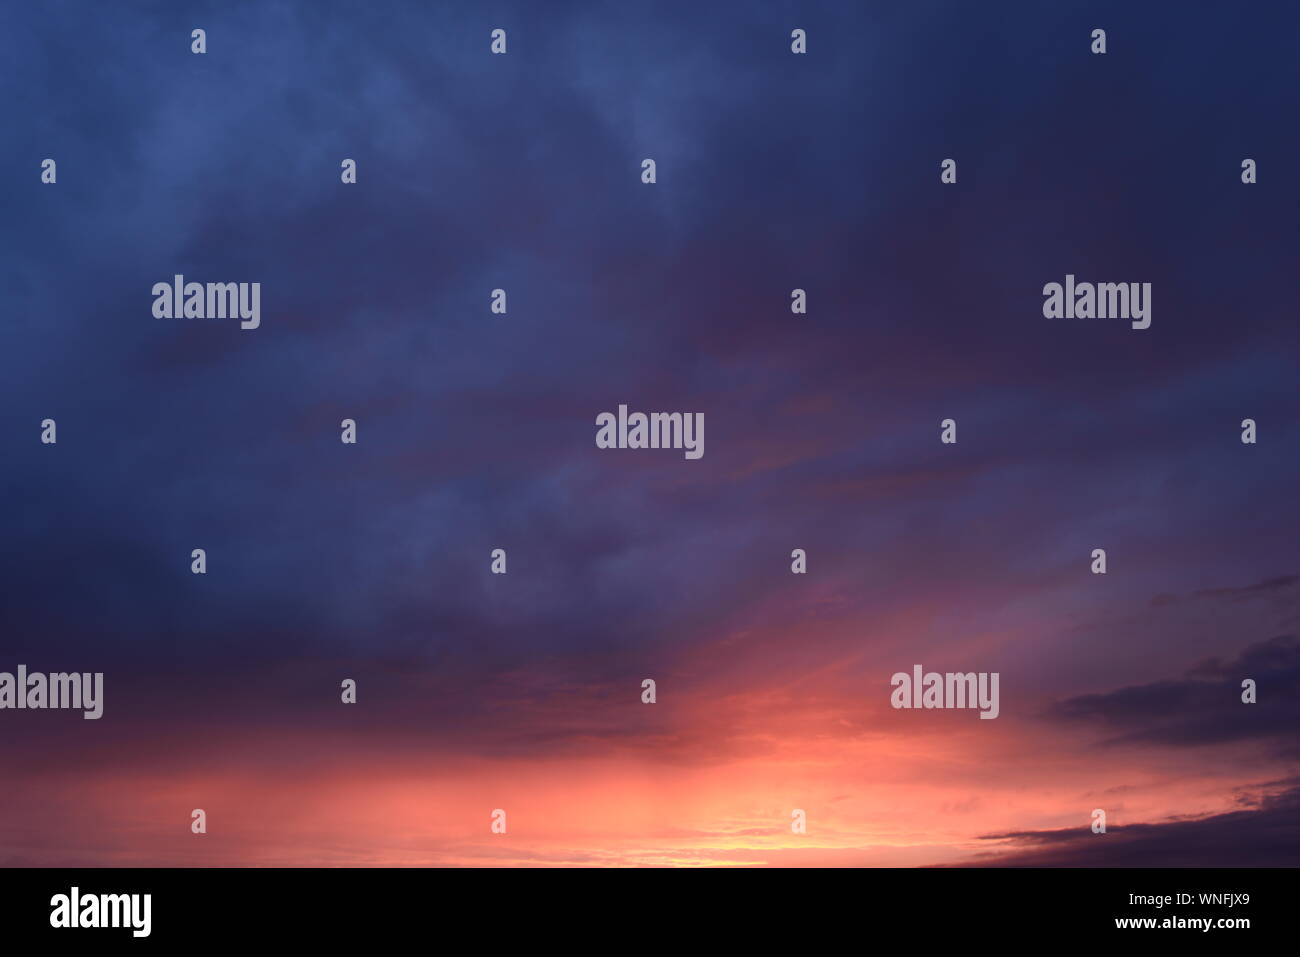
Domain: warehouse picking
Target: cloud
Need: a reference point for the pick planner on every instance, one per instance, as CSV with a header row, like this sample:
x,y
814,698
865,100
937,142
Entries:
x,y
1205,707
1267,835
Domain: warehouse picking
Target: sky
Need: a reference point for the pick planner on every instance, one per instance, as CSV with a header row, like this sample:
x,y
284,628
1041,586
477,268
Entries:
x,y
476,431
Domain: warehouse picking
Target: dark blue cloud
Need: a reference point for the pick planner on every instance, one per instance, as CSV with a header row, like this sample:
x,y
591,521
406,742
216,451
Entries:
x,y
521,171
1265,834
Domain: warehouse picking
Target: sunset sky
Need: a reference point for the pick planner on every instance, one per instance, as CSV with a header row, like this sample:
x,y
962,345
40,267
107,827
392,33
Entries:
x,y
476,431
